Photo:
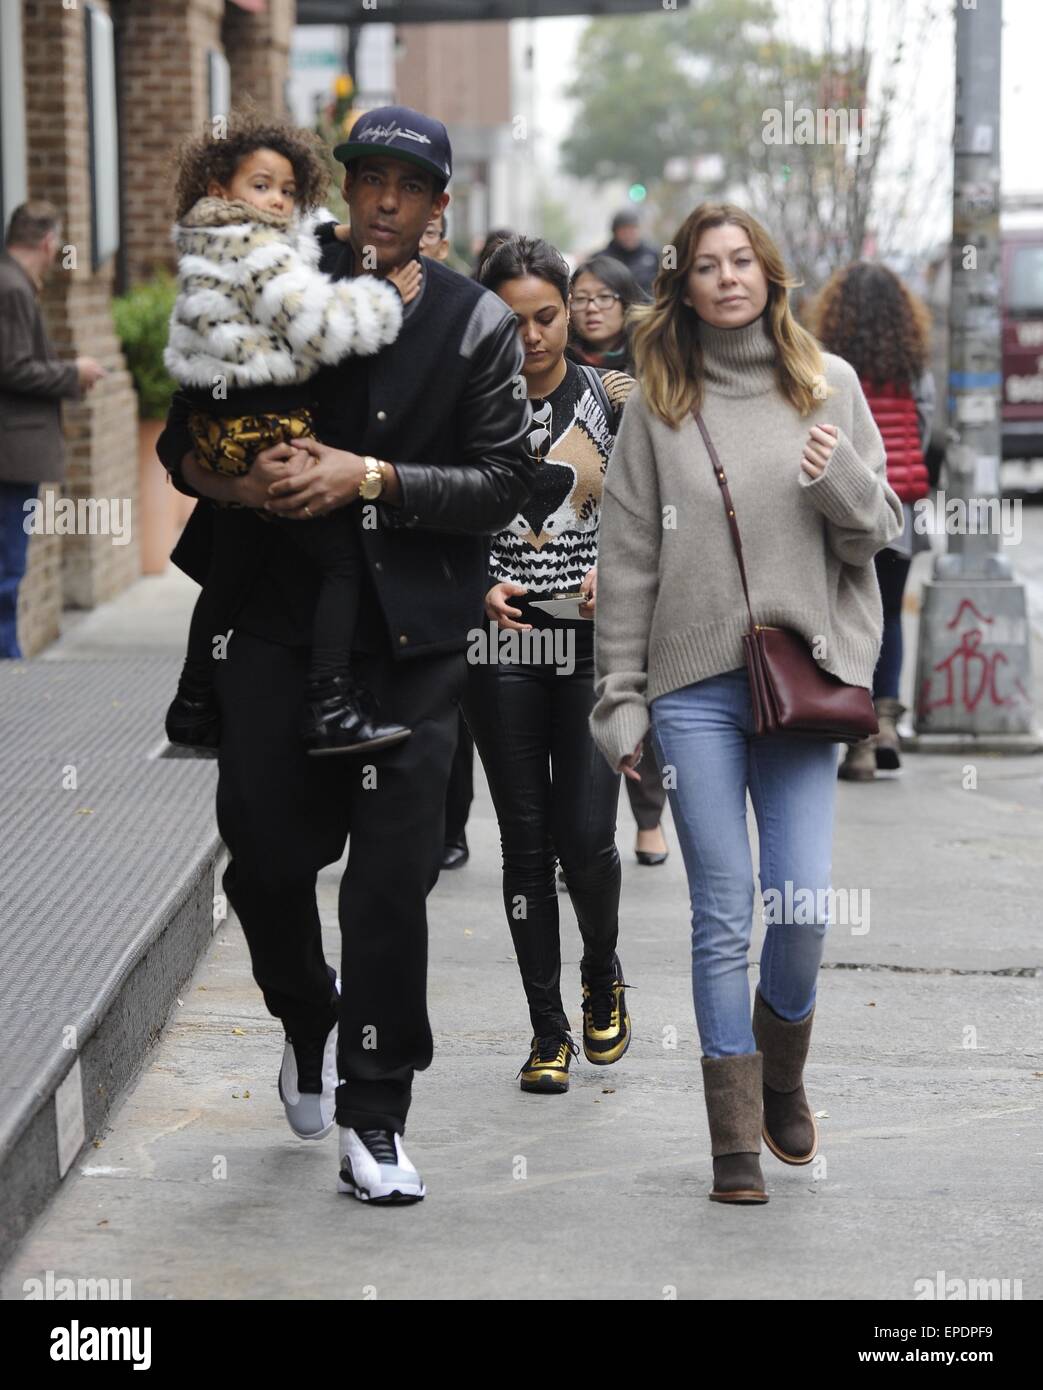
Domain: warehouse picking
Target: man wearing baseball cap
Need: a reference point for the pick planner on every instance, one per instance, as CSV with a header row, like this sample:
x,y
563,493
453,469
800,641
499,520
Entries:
x,y
421,445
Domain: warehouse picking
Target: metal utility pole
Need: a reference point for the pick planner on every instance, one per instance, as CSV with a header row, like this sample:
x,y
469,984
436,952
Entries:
x,y
973,676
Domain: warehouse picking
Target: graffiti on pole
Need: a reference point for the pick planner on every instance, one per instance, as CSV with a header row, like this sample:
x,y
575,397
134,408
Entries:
x,y
967,675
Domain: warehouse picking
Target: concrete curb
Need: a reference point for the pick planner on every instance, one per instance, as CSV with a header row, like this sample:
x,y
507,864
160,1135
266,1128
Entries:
x,y
1015,744
32,1162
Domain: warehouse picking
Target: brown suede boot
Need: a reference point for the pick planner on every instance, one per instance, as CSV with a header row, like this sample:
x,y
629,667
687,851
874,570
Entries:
x,y
732,1090
888,713
790,1131
859,763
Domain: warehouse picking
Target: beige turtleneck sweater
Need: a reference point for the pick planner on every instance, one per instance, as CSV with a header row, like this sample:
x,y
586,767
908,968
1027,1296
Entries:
x,y
670,607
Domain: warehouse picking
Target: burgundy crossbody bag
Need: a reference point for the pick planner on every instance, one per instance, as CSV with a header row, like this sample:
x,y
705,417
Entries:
x,y
790,691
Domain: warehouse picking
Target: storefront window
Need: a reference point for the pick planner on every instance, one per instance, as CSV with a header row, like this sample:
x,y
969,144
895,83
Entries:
x,y
219,76
13,185
104,139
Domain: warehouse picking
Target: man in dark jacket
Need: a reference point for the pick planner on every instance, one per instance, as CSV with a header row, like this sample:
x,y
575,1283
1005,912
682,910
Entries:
x,y
32,385
627,246
437,421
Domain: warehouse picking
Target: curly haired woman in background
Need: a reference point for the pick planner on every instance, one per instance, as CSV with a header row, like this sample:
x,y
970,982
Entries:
x,y
867,316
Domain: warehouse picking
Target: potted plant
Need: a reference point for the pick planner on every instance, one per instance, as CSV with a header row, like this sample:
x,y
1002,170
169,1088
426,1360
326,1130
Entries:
x,y
142,318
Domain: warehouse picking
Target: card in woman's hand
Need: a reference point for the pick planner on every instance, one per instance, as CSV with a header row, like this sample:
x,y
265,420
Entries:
x,y
562,605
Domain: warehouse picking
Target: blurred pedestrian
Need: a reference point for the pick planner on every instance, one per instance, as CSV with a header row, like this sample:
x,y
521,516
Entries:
x,y
434,240
488,246
460,792
804,460
603,292
867,316
554,794
33,382
628,246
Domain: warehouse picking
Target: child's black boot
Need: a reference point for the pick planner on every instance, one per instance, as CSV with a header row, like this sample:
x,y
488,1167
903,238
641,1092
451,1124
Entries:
x,y
194,719
341,716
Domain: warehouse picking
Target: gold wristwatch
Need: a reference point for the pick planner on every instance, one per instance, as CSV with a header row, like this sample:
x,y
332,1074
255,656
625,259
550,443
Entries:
x,y
372,484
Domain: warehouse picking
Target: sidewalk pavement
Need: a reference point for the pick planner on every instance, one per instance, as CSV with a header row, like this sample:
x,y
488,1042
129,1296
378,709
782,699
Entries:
x,y
926,1072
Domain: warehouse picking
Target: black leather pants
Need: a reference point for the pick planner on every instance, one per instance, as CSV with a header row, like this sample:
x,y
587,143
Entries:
x,y
555,798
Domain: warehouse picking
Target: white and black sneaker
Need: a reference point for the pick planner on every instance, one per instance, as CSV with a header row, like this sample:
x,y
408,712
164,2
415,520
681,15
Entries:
x,y
308,1083
374,1167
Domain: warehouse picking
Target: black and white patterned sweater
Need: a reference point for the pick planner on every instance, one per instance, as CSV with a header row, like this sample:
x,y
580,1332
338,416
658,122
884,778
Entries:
x,y
553,541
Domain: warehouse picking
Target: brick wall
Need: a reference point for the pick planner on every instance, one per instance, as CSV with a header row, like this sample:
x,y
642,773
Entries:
x,y
459,72
101,432
258,49
161,77
162,88
163,84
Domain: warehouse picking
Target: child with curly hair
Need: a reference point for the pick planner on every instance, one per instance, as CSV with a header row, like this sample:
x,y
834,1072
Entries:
x,y
253,322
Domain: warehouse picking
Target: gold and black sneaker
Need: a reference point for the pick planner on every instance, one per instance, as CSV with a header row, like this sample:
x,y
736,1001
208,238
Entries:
x,y
547,1066
606,1023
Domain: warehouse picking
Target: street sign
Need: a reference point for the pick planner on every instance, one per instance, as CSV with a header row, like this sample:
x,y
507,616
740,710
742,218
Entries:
x,y
315,58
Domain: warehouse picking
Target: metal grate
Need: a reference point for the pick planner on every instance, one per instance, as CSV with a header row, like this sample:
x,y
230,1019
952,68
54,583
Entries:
x,y
89,875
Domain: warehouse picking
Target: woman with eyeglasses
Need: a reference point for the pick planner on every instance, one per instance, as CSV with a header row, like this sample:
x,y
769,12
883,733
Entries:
x,y
434,239
602,293
554,794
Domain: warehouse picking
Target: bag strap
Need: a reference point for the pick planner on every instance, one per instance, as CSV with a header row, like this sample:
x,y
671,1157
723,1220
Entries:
x,y
601,395
728,506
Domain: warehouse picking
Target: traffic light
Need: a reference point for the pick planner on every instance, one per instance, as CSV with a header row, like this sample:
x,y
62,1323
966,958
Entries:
x,y
343,94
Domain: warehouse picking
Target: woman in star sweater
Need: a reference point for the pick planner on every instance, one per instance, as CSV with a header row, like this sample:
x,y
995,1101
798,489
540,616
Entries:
x,y
253,322
806,469
554,795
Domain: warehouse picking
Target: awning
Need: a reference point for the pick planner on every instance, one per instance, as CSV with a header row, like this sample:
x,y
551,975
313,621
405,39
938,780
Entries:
x,y
436,11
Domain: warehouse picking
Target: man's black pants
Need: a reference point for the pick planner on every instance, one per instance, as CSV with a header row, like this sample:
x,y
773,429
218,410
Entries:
x,y
285,815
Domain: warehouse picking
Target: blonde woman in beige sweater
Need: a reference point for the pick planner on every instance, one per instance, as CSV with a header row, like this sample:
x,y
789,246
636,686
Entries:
x,y
806,470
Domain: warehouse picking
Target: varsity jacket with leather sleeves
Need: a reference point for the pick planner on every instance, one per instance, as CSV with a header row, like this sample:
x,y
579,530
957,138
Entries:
x,y
445,403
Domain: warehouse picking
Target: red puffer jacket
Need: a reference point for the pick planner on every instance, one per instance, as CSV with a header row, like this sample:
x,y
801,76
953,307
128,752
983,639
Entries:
x,y
894,411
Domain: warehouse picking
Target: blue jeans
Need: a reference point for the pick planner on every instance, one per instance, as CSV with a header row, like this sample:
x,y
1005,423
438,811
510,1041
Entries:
x,y
14,546
704,733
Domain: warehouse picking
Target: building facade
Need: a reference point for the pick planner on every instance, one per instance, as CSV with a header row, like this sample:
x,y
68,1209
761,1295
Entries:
x,y
94,94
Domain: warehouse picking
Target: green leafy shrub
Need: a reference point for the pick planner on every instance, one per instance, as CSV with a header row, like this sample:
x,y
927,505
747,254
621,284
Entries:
x,y
142,318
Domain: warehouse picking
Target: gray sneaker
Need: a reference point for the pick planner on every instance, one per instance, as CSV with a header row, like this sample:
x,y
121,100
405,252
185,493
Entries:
x,y
374,1167
308,1083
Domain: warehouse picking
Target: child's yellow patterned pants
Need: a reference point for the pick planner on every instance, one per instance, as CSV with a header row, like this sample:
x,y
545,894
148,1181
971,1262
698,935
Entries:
x,y
230,445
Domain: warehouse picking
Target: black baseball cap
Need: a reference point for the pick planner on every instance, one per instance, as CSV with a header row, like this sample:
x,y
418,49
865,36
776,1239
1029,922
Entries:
x,y
403,133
